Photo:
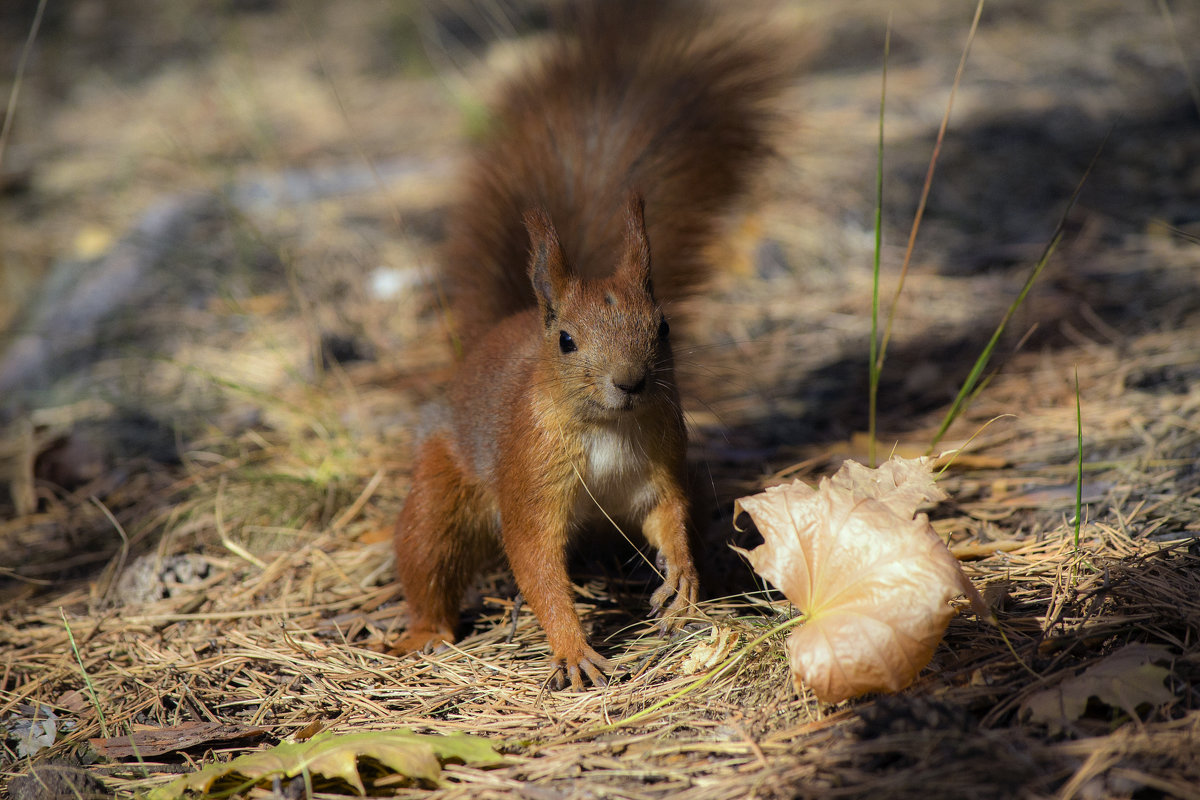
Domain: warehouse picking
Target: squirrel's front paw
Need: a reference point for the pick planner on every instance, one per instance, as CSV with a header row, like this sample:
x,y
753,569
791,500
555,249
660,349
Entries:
x,y
682,583
574,666
420,640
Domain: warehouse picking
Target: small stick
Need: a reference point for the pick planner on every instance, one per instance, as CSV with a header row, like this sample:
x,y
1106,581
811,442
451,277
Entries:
x,y
518,601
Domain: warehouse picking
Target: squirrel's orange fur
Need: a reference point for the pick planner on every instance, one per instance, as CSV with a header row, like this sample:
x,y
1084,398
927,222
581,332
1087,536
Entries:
x,y
565,401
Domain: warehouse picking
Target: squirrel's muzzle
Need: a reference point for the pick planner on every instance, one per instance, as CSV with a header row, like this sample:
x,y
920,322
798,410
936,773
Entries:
x,y
630,382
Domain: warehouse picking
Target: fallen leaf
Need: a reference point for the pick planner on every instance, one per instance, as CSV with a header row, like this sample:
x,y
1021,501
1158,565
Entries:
x,y
336,758
151,742
873,582
1126,679
308,731
33,736
901,484
34,727
707,654
73,700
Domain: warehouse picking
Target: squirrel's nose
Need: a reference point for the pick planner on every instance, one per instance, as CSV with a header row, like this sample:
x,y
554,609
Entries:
x,y
631,381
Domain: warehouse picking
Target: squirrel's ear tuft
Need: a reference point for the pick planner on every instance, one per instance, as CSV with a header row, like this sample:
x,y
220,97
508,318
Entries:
x,y
635,260
547,267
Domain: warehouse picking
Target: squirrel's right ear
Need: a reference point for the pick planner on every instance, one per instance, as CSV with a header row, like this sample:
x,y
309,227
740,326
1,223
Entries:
x,y
547,267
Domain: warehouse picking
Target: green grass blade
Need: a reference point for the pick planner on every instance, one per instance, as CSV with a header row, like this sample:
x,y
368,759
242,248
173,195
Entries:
x,y
1079,463
981,362
87,680
968,386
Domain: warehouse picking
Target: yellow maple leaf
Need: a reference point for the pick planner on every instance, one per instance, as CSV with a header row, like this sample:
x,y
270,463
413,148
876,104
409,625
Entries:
x,y
871,577
335,758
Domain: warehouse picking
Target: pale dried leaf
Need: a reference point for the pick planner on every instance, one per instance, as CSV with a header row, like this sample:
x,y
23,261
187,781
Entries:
x,y
873,581
710,652
902,484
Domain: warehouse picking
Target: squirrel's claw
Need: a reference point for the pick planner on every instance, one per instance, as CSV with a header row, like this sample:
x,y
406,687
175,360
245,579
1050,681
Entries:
x,y
684,586
574,668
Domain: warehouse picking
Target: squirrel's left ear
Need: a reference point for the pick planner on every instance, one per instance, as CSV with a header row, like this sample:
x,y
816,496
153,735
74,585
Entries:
x,y
547,266
636,258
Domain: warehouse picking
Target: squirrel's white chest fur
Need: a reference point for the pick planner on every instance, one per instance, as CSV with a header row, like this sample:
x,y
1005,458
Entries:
x,y
616,475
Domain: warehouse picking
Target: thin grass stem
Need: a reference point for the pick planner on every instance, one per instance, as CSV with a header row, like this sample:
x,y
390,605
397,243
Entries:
x,y
87,680
1169,19
933,159
876,364
11,108
726,665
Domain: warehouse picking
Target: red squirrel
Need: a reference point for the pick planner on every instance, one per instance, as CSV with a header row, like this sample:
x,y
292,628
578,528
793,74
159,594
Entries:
x,y
583,217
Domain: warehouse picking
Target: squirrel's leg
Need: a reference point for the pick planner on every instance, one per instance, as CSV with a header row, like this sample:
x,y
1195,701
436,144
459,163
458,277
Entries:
x,y
537,547
439,547
665,527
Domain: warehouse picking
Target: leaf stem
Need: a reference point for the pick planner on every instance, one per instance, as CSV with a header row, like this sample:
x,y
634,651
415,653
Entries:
x,y
719,671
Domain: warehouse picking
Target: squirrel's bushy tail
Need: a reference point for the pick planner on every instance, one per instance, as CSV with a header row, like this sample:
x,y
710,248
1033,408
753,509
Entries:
x,y
656,97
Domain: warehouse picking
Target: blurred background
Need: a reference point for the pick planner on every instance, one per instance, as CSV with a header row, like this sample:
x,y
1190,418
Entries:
x,y
218,220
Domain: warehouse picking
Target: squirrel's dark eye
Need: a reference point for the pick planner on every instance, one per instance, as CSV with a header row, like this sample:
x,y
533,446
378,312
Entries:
x,y
566,343
663,329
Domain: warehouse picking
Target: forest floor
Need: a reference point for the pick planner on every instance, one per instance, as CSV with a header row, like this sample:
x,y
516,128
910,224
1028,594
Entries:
x,y
218,221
